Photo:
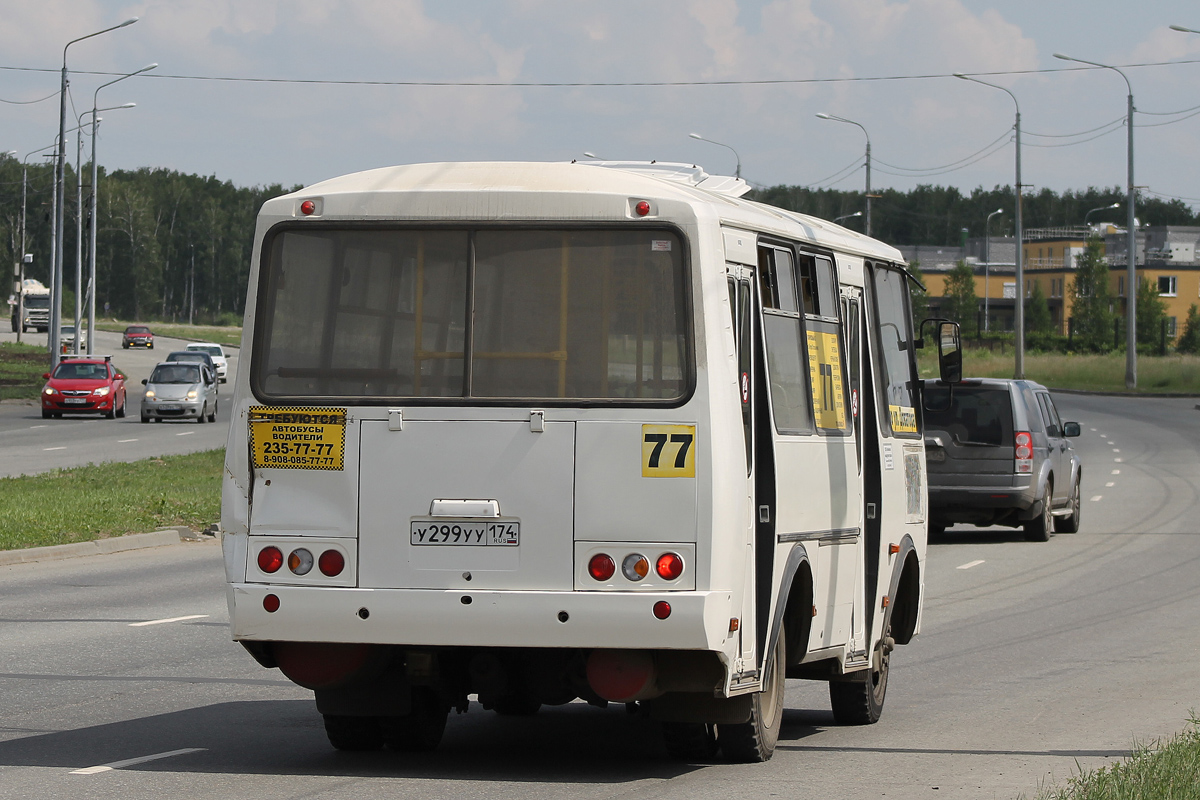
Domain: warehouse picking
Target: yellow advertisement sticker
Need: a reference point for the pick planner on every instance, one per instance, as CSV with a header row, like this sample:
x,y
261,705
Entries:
x,y
825,372
668,451
291,437
904,419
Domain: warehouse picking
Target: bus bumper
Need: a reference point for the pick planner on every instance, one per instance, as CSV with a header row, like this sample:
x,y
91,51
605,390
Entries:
x,y
438,618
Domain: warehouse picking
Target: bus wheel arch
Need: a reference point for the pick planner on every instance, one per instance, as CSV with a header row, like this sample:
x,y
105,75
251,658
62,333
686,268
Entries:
x,y
905,599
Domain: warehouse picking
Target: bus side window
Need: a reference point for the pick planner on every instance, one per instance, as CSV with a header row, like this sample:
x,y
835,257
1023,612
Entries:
x,y
808,286
896,365
787,368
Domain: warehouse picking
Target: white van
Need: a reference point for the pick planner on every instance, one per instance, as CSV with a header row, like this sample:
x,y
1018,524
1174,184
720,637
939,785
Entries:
x,y
516,434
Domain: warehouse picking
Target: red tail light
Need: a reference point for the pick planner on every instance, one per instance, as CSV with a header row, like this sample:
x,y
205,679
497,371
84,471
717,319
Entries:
x,y
601,567
270,559
1023,451
271,603
331,563
662,609
669,566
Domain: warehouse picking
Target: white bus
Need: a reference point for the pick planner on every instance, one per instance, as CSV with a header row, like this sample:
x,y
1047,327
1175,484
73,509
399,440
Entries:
x,y
535,433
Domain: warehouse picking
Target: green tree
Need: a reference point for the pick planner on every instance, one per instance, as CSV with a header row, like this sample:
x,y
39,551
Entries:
x,y
1091,299
1151,311
959,302
1189,342
1037,312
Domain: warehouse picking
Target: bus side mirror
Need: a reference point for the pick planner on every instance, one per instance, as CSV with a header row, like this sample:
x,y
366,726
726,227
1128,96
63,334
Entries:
x,y
949,352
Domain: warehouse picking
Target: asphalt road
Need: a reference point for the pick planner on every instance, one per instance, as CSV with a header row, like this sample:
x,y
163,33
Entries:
x,y
1033,658
30,444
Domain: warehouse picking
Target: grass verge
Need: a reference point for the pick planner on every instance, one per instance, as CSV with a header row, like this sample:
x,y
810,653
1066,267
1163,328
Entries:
x,y
21,370
103,500
228,335
1162,771
1098,373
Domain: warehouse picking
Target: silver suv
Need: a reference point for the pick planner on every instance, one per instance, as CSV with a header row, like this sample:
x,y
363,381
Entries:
x,y
998,454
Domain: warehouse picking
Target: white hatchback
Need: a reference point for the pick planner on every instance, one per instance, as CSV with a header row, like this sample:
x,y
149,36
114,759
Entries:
x,y
218,356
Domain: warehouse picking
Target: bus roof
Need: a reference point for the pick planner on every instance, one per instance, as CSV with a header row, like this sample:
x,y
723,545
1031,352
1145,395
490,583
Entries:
x,y
470,190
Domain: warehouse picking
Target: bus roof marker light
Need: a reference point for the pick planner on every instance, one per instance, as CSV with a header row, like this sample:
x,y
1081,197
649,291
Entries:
x,y
642,208
308,208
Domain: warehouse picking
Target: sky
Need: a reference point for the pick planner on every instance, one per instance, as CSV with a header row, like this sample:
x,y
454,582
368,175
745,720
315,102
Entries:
x,y
332,96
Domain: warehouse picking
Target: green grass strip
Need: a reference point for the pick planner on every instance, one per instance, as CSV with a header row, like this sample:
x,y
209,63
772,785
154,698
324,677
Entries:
x,y
1171,374
103,500
228,335
21,370
1162,771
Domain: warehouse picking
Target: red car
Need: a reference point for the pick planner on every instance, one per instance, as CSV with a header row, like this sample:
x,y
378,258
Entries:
x,y
84,385
137,336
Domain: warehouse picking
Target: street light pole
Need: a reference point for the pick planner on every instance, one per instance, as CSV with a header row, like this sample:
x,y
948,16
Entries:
x,y
836,220
91,292
59,205
867,221
1131,224
738,171
987,262
1094,210
1019,308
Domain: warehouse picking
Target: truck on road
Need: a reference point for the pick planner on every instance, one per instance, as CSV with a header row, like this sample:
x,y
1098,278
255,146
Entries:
x,y
31,307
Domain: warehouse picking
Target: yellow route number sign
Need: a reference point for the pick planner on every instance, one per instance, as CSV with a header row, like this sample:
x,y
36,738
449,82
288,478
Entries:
x,y
289,437
668,451
825,372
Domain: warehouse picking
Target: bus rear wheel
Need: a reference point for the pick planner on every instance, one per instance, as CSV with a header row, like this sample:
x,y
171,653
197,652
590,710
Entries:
x,y
860,702
353,733
754,740
421,729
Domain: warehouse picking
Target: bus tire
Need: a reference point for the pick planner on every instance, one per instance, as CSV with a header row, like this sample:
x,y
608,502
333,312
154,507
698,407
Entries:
x,y
690,741
421,729
1040,528
353,733
754,740
860,702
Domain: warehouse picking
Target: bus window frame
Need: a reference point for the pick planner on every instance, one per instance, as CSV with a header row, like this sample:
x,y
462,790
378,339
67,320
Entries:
x,y
838,323
264,308
764,284
880,361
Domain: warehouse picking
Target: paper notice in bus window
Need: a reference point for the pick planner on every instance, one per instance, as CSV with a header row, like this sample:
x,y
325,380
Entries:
x,y
668,451
291,437
825,372
660,245
904,419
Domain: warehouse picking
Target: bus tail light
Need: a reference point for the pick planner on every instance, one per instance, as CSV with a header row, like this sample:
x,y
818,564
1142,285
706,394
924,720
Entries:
x,y
270,559
331,563
300,561
601,567
635,567
662,609
1023,452
271,603
669,566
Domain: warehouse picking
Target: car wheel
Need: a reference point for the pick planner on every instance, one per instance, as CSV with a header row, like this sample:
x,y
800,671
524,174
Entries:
x,y
125,345
145,419
1070,524
45,414
111,413
213,416
1040,528
203,414
121,410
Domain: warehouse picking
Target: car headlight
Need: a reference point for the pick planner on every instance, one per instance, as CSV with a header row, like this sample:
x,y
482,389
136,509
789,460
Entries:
x,y
102,391
149,394
49,390
193,394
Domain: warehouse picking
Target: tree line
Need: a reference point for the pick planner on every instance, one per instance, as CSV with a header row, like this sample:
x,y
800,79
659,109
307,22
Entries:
x,y
158,233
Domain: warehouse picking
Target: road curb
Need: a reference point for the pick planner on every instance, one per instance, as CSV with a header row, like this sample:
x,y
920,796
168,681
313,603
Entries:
x,y
1148,395
117,544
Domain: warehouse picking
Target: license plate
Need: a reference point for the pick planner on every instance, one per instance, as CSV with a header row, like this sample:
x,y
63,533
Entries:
x,y
74,401
935,454
465,532
169,407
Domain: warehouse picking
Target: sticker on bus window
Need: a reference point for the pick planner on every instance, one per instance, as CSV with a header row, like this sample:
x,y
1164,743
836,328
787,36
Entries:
x,y
292,437
668,451
904,419
660,245
825,372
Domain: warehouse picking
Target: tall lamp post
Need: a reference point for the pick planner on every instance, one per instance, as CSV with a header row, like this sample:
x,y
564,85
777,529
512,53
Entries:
x,y
867,221
27,258
1019,319
60,188
737,172
91,290
987,262
1131,224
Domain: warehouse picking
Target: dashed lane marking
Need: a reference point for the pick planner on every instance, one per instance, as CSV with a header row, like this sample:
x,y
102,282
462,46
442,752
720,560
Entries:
x,y
1110,483
123,441
1097,498
970,564
129,762
48,449
164,621
185,433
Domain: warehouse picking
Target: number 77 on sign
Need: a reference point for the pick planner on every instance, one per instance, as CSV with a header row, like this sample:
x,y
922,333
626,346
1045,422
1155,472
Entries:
x,y
668,451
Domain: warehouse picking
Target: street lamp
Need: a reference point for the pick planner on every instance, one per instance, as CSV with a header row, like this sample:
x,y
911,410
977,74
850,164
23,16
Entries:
x,y
91,291
738,171
987,262
60,186
1131,279
1101,208
867,222
1019,320
1183,29
836,220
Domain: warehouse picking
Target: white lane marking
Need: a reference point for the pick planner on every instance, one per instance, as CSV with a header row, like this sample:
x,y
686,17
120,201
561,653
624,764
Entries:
x,y
35,427
129,762
1110,444
185,433
1115,450
1097,498
162,621
970,564
1117,460
1110,483
122,441
1093,430
48,449
1116,472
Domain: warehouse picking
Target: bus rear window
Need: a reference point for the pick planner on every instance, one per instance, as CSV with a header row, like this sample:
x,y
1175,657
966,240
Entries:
x,y
388,314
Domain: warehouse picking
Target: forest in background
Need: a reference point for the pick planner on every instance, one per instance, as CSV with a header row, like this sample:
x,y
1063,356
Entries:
x,y
156,224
